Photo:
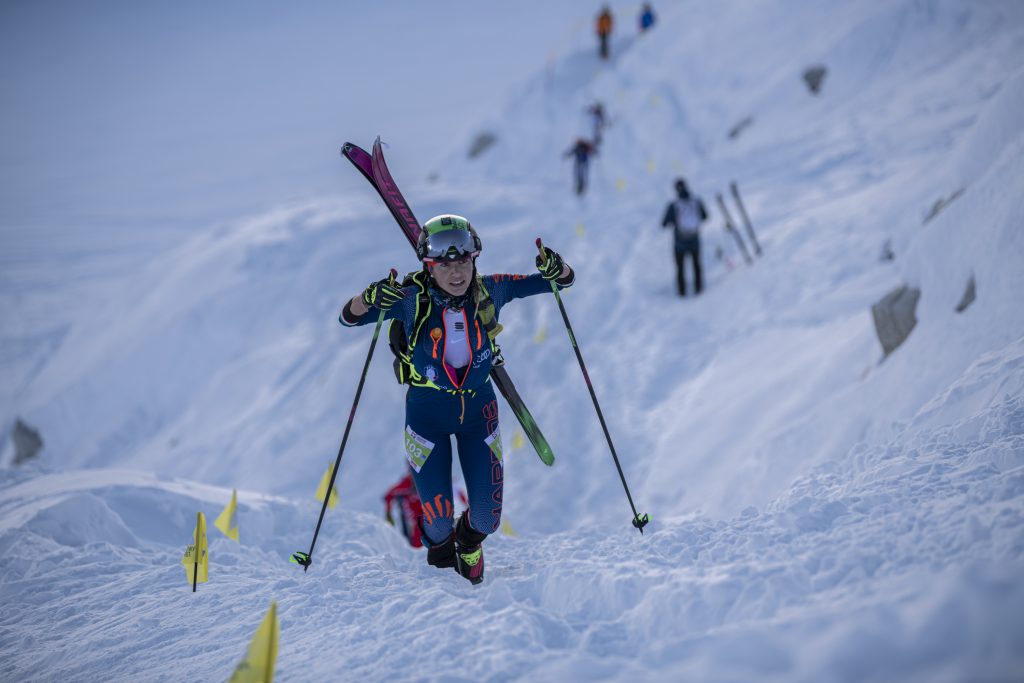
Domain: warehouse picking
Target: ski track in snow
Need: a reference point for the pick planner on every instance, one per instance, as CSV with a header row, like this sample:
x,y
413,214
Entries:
x,y
819,514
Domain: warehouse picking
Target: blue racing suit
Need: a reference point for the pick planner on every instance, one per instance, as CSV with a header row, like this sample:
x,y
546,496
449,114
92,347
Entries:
x,y
463,405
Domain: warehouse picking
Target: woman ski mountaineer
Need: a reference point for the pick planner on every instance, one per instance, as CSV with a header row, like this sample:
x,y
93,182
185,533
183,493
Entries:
x,y
449,313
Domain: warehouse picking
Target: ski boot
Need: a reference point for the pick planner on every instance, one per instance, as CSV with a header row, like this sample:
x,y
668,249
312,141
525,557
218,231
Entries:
x,y
469,551
441,555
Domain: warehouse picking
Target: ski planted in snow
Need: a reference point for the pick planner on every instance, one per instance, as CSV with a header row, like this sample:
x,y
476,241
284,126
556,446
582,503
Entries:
x,y
731,229
746,219
375,170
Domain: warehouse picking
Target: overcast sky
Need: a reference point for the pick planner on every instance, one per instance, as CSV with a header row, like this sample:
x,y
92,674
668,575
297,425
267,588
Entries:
x,y
186,112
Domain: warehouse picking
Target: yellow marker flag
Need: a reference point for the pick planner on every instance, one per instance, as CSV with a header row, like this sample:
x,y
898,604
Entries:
x,y
202,572
506,528
651,167
542,334
258,665
580,230
655,100
620,184
517,439
321,490
226,521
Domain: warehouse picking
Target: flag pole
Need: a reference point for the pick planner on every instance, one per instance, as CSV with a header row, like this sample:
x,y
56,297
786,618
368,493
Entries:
x,y
195,566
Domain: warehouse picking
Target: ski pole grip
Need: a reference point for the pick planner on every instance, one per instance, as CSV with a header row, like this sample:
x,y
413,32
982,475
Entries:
x,y
540,248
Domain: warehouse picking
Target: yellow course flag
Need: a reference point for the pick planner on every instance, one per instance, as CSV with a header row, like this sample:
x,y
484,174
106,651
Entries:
x,y
620,184
517,439
542,334
580,229
506,528
226,521
189,560
258,665
321,490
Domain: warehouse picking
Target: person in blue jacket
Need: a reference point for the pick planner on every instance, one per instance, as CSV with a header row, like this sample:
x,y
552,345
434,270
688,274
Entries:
x,y
646,17
450,391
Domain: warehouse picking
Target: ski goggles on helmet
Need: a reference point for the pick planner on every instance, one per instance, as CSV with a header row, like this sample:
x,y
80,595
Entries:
x,y
450,245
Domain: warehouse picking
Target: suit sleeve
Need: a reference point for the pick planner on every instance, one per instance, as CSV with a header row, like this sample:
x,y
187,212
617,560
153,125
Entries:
x,y
403,310
504,288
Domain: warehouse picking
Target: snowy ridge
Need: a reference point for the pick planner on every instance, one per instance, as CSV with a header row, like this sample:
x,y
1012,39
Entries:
x,y
818,555
819,514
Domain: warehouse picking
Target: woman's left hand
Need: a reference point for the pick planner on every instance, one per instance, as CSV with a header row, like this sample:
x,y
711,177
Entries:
x,y
550,264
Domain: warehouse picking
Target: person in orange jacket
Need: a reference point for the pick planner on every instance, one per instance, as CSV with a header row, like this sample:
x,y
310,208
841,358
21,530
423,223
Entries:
x,y
604,30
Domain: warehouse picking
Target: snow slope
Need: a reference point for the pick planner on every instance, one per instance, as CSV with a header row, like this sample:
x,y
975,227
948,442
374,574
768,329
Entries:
x,y
819,513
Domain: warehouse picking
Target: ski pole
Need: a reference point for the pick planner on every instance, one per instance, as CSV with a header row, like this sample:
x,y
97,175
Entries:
x,y
639,521
306,559
746,218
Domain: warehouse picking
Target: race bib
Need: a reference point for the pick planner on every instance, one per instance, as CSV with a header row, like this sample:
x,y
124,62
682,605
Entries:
x,y
494,443
417,449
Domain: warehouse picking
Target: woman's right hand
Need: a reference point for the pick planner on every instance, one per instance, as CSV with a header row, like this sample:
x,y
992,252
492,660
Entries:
x,y
382,294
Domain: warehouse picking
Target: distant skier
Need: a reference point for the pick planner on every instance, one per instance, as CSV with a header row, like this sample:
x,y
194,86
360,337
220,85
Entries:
x,y
604,31
597,121
450,313
581,151
685,215
646,17
403,494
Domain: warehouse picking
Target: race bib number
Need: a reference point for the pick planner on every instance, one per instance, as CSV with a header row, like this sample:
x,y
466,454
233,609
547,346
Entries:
x,y
494,443
417,449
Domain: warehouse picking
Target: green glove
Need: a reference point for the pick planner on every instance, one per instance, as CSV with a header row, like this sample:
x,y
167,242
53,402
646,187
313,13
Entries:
x,y
549,263
382,294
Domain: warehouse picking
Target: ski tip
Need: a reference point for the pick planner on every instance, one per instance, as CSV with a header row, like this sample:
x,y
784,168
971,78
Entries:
x,y
540,245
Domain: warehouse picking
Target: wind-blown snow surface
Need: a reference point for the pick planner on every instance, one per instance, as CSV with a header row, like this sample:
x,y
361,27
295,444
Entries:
x,y
818,514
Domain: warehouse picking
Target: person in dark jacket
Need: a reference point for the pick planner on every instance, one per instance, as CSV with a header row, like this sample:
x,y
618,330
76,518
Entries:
x,y
685,214
581,151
